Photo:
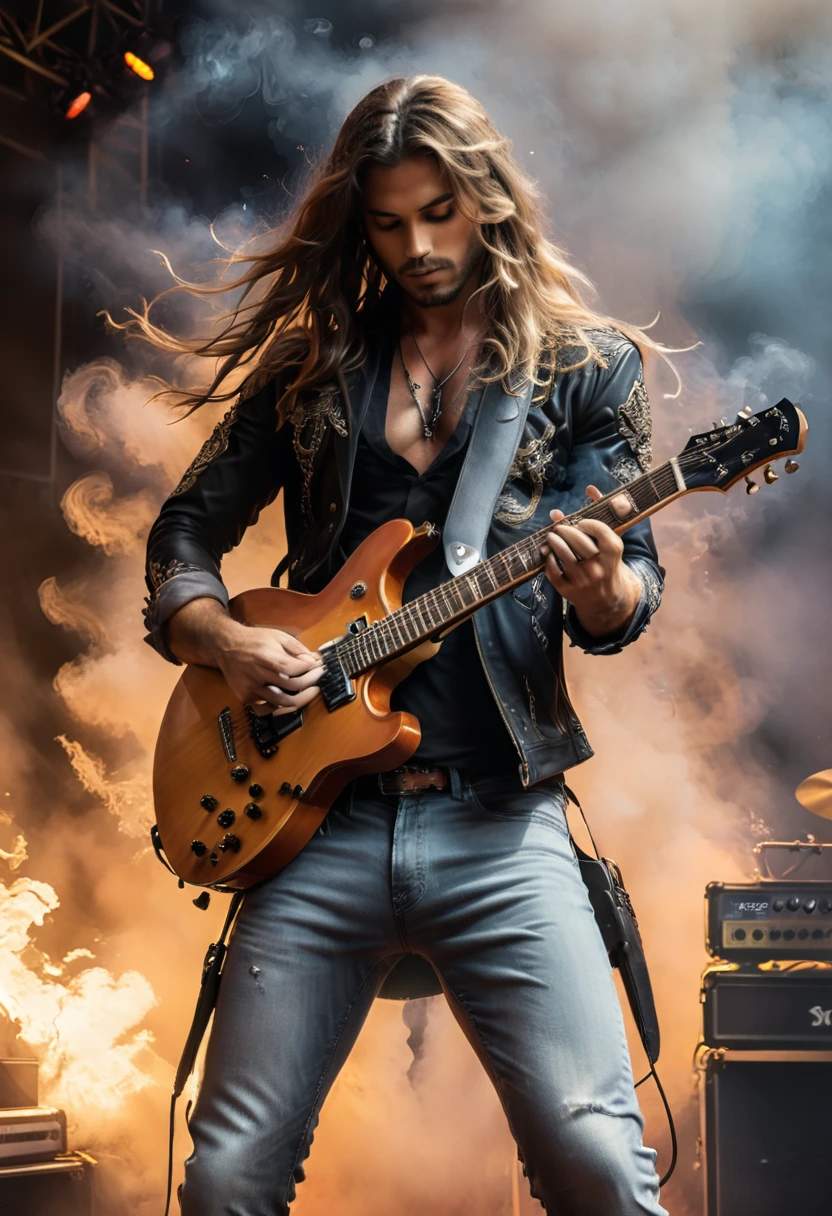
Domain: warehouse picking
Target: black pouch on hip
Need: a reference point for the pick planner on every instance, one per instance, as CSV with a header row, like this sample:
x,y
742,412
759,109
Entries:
x,y
617,922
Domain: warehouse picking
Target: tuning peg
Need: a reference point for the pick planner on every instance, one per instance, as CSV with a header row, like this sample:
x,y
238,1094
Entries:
x,y
751,487
791,466
769,475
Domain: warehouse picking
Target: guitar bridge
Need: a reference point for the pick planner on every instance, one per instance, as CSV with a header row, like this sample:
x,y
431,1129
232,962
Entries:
x,y
336,686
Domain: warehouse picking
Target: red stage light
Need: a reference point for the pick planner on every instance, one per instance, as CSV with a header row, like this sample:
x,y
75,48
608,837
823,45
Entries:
x,y
78,105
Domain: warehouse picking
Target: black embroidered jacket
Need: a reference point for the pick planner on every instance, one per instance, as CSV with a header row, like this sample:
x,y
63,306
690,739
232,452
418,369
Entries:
x,y
591,426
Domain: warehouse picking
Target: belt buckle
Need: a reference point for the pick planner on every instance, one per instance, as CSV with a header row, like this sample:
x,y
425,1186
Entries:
x,y
382,777
406,771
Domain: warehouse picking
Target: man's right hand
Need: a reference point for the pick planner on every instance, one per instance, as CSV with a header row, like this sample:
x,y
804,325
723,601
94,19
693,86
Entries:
x,y
260,665
271,666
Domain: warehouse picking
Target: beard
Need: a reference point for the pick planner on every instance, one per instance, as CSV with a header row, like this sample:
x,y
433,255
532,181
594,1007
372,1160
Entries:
x,y
434,295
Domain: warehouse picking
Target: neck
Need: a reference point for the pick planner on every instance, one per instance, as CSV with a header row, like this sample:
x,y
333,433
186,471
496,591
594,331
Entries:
x,y
444,322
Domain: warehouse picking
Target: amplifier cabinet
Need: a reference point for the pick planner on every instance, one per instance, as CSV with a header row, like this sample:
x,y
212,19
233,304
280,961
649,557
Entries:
x,y
766,1130
63,1187
769,919
31,1133
18,1082
767,1009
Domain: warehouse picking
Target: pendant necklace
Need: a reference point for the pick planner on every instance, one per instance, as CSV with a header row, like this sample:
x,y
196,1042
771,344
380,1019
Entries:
x,y
429,424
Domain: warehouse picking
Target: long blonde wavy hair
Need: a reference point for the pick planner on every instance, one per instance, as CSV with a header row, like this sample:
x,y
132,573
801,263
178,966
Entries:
x,y
306,293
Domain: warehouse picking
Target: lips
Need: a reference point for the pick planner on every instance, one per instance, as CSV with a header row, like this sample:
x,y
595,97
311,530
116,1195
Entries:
x,y
423,274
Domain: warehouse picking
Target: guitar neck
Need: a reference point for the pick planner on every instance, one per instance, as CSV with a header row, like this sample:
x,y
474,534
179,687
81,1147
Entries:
x,y
430,615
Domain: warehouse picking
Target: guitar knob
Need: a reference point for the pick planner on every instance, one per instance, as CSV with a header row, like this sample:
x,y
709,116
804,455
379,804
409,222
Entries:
x,y
240,773
791,466
252,810
226,818
255,790
769,475
230,843
751,487
199,848
209,802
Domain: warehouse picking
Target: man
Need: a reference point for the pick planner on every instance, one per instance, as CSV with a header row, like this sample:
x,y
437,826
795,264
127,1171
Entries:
x,y
412,287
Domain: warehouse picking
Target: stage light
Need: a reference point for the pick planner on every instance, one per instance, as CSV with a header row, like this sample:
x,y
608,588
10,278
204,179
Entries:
x,y
78,105
142,69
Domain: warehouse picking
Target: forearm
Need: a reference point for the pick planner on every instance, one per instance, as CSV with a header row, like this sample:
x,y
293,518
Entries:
x,y
201,631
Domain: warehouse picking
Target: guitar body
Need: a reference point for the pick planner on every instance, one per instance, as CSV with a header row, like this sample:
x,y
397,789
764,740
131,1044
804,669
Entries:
x,y
315,760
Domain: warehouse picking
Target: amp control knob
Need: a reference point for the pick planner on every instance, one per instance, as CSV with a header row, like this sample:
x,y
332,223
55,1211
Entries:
x,y
794,903
198,847
778,905
826,905
809,905
226,818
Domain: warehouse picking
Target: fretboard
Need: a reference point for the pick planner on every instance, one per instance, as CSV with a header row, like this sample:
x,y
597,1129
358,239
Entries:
x,y
431,614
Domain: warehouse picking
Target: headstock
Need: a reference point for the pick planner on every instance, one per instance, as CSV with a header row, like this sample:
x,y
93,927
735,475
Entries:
x,y
718,459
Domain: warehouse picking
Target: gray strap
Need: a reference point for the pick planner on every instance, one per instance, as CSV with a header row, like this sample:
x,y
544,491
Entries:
x,y
495,437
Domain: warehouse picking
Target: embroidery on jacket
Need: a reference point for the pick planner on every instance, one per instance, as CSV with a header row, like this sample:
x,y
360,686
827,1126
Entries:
x,y
214,446
309,424
159,574
625,469
529,464
634,424
652,586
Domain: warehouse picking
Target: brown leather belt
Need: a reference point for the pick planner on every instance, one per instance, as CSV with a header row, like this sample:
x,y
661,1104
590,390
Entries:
x,y
412,779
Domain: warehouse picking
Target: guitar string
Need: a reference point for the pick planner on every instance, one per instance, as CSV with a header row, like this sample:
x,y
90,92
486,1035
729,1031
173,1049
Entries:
x,y
661,480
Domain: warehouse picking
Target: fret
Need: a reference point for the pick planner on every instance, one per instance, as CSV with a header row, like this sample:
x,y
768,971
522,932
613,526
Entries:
x,y
397,624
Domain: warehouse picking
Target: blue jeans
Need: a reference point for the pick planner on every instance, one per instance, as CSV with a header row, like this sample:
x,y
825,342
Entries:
x,y
481,879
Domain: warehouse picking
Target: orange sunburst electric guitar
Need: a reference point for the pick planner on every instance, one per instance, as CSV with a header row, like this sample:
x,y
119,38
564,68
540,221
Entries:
x,y
238,795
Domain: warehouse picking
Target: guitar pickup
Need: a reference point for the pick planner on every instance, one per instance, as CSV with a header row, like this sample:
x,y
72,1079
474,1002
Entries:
x,y
267,730
336,686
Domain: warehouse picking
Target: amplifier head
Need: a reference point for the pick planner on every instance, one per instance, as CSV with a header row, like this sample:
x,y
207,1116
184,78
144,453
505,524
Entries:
x,y
769,919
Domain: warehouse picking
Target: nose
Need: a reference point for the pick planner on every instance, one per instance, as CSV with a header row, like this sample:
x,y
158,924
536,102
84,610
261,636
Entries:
x,y
419,244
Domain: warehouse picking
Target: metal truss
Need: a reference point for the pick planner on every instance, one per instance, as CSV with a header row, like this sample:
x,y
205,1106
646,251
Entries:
x,y
55,47
55,40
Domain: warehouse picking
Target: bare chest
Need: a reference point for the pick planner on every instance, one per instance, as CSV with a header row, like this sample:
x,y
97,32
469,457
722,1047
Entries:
x,y
405,428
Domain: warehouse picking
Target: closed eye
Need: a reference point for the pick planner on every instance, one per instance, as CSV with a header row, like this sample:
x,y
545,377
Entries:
x,y
432,217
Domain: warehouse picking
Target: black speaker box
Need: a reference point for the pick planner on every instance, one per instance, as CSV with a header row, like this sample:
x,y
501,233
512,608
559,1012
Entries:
x,y
63,1187
766,1130
768,1010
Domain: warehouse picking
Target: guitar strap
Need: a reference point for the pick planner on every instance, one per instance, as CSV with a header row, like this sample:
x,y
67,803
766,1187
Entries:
x,y
495,437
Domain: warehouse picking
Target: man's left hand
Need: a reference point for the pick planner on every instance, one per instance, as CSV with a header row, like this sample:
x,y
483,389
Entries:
x,y
585,564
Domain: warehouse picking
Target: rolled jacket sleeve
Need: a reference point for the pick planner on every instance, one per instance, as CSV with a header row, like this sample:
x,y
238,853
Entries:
x,y
238,471
612,445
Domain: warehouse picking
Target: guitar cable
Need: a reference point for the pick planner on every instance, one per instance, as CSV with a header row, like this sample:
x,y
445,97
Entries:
x,y
671,1126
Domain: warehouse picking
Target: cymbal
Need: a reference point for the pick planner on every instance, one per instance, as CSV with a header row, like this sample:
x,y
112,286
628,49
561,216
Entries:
x,y
815,793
